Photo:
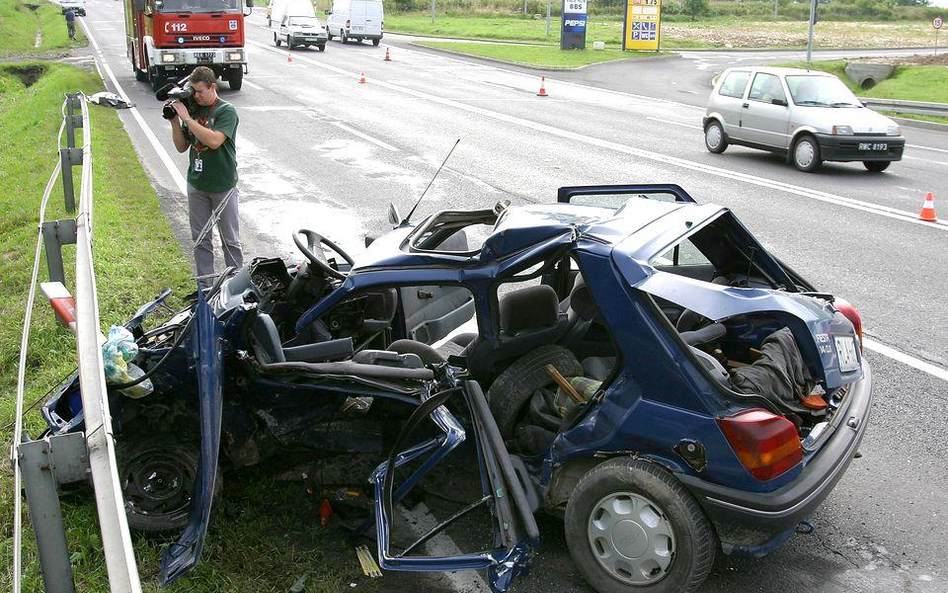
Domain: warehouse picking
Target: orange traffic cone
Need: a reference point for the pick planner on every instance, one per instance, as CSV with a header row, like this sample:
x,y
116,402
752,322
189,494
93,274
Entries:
x,y
542,92
362,79
388,58
289,57
928,209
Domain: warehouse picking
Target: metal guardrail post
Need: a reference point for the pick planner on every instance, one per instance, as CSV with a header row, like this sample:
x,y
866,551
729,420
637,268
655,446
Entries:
x,y
71,155
45,464
57,233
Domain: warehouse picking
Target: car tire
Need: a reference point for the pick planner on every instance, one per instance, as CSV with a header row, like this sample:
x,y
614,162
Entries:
x,y
376,42
276,40
343,37
289,43
157,474
876,166
669,545
321,47
805,154
714,138
509,393
328,34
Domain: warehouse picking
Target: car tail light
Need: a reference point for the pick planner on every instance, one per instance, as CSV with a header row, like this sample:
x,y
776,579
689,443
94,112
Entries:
x,y
767,444
848,311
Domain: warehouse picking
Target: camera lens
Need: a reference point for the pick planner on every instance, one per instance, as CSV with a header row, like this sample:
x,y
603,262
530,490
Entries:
x,y
168,111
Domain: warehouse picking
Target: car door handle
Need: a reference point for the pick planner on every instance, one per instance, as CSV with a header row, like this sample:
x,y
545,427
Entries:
x,y
745,105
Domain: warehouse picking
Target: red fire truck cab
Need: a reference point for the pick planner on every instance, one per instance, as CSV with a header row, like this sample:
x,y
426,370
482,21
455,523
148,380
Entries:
x,y
166,39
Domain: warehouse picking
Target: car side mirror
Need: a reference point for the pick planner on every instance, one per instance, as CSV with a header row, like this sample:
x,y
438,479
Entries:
x,y
393,216
781,102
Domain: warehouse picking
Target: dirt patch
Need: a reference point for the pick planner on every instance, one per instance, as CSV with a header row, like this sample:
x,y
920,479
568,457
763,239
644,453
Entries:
x,y
28,75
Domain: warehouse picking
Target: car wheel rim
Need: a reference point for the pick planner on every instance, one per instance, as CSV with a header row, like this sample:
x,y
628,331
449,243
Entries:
x,y
713,136
804,154
631,538
158,483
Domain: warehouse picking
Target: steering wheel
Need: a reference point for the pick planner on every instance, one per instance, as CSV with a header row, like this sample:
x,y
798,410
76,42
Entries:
x,y
309,251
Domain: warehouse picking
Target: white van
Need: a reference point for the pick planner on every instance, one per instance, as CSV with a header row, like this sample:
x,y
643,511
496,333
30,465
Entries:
x,y
280,8
356,19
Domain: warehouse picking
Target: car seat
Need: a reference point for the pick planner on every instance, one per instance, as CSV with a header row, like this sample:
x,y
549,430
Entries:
x,y
265,340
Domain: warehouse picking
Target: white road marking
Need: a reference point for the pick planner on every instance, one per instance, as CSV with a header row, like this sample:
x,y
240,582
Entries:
x,y
918,158
926,148
252,85
820,196
675,123
374,141
162,153
421,521
921,365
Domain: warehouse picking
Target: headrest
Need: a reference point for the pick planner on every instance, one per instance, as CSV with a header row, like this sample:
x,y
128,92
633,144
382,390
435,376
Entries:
x,y
533,307
581,301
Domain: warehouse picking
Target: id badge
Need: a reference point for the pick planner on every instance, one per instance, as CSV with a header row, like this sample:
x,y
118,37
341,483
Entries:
x,y
198,165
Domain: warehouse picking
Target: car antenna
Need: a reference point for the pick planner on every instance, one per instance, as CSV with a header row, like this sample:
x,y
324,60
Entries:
x,y
407,218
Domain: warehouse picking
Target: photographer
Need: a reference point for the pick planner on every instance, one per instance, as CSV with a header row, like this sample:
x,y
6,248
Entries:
x,y
208,126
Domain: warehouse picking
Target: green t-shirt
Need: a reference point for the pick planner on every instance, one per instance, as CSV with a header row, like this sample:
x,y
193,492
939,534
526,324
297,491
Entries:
x,y
216,170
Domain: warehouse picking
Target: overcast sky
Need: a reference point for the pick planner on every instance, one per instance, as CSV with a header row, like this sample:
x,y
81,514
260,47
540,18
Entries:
x,y
939,2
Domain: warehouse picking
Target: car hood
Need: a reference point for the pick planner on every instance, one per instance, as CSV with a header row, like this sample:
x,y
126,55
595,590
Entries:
x,y
861,119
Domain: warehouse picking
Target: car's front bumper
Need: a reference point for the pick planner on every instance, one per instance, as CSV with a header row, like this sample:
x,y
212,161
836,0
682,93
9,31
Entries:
x,y
753,524
309,39
853,148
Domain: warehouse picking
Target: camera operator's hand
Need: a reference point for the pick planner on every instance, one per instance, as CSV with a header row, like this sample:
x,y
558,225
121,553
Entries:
x,y
181,110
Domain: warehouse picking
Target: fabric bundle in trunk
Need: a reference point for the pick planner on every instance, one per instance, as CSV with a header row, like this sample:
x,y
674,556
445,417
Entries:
x,y
780,374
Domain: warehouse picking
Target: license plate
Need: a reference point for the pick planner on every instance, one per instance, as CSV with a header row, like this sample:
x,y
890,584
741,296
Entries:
x,y
874,146
204,56
846,351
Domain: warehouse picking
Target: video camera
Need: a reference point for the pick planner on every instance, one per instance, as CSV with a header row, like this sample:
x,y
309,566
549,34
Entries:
x,y
180,91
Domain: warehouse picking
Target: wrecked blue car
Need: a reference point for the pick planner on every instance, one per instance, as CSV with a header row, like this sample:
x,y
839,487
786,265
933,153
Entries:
x,y
626,358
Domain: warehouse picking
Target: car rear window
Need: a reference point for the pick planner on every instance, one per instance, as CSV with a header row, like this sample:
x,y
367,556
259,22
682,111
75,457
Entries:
x,y
734,84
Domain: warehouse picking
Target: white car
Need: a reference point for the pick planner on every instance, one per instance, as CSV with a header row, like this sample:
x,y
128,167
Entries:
x,y
808,115
77,6
298,31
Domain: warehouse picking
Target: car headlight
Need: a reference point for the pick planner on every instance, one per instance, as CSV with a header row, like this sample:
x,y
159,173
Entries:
x,y
893,131
235,56
842,130
169,58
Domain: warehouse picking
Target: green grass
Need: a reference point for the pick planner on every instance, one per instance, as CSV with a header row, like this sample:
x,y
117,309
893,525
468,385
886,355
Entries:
x,y
19,24
540,56
496,27
266,534
907,83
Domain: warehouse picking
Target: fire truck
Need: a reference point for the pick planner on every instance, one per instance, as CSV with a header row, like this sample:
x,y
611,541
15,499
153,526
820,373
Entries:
x,y
166,39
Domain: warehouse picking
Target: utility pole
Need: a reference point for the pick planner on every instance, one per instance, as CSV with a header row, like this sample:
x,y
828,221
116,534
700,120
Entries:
x,y
548,17
809,43
432,11
775,9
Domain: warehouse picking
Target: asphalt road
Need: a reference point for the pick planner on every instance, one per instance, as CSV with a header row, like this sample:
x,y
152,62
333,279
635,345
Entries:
x,y
319,150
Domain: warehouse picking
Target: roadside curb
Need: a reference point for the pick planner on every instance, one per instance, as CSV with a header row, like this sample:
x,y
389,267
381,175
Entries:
x,y
531,66
920,123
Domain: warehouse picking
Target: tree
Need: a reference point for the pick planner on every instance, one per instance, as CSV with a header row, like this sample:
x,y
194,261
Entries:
x,y
696,8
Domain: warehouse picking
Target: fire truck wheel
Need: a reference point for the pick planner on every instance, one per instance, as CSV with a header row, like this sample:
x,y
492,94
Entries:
x,y
157,80
140,75
235,79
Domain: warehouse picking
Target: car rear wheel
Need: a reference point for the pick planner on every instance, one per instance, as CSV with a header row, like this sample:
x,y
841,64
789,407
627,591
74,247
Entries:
x,y
630,525
376,42
806,154
876,166
513,388
714,138
321,47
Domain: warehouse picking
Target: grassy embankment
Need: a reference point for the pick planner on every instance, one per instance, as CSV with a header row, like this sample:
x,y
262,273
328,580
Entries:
x,y
907,83
265,535
19,25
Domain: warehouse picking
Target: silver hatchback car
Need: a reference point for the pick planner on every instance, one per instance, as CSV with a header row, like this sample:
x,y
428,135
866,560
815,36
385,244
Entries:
x,y
807,115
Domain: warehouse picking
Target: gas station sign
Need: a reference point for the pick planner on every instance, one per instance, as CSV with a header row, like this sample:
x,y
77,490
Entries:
x,y
642,24
573,32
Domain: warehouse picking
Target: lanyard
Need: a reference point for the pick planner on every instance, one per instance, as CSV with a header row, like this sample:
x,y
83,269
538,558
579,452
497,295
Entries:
x,y
198,147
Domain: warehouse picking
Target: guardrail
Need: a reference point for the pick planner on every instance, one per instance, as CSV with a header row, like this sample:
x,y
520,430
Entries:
x,y
910,107
58,459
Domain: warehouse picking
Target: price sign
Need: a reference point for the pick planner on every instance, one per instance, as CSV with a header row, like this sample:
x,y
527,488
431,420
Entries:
x,y
575,6
642,24
938,21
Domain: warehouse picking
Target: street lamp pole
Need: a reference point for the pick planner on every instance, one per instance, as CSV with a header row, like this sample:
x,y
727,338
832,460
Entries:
x,y
809,43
